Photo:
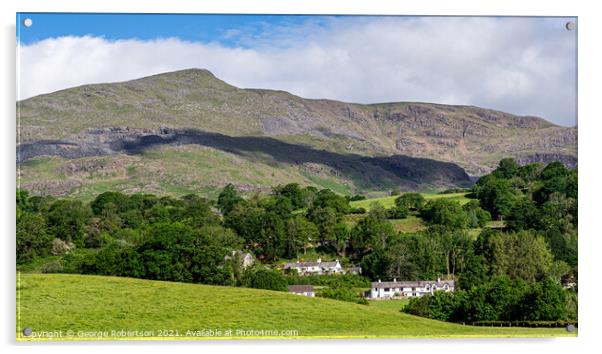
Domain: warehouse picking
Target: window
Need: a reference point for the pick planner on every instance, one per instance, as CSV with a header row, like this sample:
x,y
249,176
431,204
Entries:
x,y
387,289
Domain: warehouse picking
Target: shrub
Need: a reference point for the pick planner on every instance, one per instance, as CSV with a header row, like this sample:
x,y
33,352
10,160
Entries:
x,y
412,201
264,278
342,294
342,280
398,213
359,210
52,267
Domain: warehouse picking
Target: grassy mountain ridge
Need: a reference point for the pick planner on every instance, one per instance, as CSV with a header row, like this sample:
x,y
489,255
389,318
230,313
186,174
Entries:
x,y
91,121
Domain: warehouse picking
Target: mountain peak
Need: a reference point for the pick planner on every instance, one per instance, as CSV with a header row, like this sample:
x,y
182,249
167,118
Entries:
x,y
186,74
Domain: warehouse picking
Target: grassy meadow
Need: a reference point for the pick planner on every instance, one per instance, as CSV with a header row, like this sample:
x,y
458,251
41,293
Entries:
x,y
82,307
389,201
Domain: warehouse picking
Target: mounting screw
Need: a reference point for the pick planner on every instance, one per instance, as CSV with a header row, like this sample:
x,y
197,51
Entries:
x,y
570,26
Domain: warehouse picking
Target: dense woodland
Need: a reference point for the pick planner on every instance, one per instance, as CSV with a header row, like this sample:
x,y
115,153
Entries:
x,y
513,272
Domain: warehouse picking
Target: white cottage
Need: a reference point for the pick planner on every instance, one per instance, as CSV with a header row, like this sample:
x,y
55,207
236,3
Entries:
x,y
397,289
318,267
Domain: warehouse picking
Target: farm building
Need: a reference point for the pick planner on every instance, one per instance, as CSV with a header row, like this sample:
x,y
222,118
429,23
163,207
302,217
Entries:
x,y
305,290
398,289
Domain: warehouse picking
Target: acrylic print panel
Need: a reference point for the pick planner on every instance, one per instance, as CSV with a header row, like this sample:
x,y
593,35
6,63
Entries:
x,y
295,177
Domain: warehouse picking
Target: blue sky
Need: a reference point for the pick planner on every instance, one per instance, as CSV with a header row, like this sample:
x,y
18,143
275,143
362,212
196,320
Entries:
x,y
525,66
188,27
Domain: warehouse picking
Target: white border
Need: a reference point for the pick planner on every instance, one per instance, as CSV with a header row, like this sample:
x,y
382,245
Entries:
x,y
590,23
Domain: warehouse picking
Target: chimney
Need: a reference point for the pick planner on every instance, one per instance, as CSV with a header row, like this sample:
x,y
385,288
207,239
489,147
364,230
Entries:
x,y
394,280
319,260
379,280
438,280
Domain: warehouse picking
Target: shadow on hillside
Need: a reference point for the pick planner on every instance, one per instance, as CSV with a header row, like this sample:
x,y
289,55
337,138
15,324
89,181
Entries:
x,y
368,172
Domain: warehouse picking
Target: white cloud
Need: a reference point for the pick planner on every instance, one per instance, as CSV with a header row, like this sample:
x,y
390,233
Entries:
x,y
518,65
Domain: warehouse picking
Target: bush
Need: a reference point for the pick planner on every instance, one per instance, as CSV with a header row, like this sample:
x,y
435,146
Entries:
x,y
342,280
442,306
52,267
444,212
264,278
412,201
79,261
398,213
355,197
342,294
359,210
454,190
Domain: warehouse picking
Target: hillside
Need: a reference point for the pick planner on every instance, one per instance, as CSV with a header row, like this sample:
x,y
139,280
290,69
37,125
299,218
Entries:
x,y
109,134
95,303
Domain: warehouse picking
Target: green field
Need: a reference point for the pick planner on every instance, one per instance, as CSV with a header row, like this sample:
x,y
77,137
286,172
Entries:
x,y
390,305
89,305
388,202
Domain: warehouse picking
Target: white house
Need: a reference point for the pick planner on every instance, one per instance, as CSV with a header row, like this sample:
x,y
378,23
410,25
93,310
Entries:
x,y
305,290
318,267
397,289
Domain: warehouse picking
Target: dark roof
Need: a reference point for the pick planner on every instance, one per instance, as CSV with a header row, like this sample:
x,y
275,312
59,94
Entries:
x,y
300,288
412,284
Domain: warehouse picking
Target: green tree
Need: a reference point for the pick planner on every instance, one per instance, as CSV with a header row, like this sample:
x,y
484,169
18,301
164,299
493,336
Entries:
x,y
342,234
300,233
440,305
32,238
496,195
67,220
227,199
326,219
197,211
448,213
373,231
545,301
293,192
118,202
411,201
507,168
496,300
522,255
523,215
264,278
477,217
454,245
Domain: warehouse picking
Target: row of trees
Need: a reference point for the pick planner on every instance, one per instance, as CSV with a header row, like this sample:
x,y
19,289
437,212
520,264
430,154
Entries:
x,y
500,299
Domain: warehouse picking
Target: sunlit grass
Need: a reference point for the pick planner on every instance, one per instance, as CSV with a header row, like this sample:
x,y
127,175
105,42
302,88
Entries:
x,y
59,302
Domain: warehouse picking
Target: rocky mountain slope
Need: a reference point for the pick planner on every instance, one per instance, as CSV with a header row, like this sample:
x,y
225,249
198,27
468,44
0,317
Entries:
x,y
349,146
